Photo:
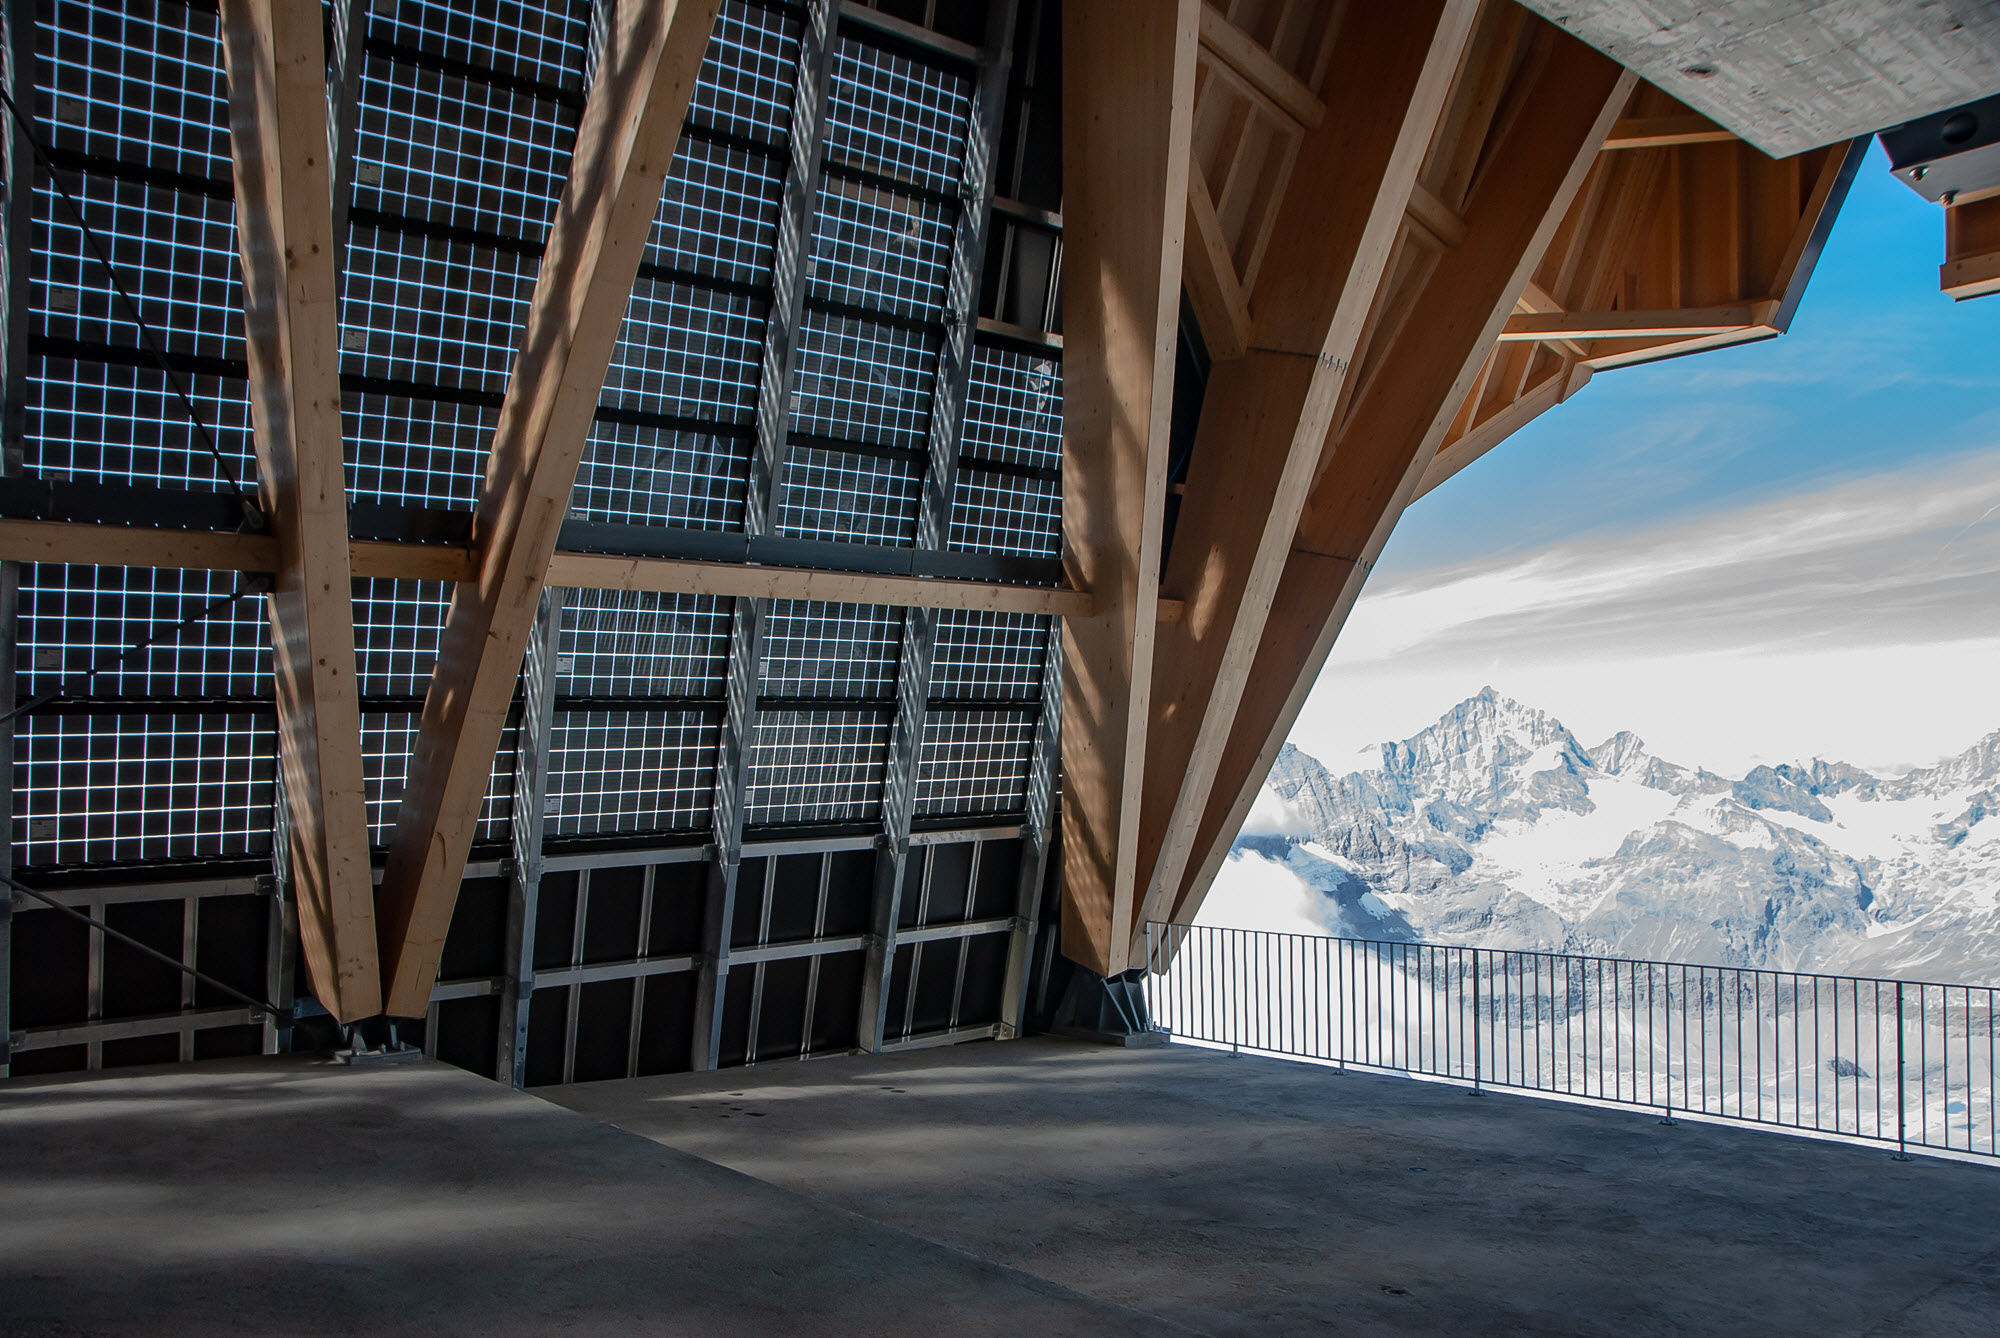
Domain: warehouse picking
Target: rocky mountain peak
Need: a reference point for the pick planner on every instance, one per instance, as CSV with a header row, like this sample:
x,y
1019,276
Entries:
x,y
1482,734
1493,825
1976,768
1622,752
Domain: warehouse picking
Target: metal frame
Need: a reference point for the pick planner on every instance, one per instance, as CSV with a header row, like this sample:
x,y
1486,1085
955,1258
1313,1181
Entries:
x,y
526,862
19,54
811,93
913,675
95,1029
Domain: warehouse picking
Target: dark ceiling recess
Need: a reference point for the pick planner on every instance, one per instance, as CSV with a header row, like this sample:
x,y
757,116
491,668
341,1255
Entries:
x,y
1949,155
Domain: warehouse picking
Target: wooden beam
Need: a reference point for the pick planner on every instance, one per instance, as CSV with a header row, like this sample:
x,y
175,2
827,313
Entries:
x,y
276,65
1431,214
214,550
1128,97
1265,417
1971,250
1665,132
624,147
412,562
1530,173
1489,432
1213,285
1271,83
1535,298
596,571
123,546
1630,352
1557,326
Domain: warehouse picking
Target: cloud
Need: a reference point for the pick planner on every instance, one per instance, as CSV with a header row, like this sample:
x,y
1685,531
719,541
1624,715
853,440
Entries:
x,y
1885,559
1740,634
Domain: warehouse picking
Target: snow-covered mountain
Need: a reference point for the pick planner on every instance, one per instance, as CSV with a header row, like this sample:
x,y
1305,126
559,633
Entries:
x,y
1497,827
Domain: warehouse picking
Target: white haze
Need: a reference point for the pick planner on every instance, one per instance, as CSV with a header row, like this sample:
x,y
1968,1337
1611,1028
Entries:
x,y
1859,620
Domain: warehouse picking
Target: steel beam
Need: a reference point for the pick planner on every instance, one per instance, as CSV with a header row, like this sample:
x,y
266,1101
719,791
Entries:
x,y
18,242
764,500
527,823
951,387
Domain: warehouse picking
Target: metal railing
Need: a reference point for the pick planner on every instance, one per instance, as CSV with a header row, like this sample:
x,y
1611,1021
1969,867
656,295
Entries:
x,y
1904,1062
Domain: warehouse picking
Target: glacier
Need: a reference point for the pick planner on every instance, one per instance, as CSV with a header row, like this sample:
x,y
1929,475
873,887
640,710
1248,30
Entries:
x,y
1496,827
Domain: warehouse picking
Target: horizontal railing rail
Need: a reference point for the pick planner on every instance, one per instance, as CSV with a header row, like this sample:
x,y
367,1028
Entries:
x,y
1904,1062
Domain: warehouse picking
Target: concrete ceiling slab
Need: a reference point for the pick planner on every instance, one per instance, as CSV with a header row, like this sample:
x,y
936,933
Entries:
x,y
1792,75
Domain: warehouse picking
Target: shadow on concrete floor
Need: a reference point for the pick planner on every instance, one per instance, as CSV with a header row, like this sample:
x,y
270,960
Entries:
x,y
279,1196
1255,1196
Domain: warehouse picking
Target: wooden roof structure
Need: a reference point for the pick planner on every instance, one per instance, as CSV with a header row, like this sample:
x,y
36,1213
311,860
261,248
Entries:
x,y
987,415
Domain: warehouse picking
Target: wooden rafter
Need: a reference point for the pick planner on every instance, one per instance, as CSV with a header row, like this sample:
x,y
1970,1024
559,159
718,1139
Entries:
x,y
1625,257
1557,326
1665,132
1213,286
1265,416
1530,113
1971,249
216,550
624,147
278,140
1127,100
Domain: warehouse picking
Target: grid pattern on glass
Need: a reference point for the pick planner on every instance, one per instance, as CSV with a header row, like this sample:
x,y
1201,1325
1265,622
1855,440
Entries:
x,y
1013,409
459,151
688,352
745,84
71,617
989,655
974,762
892,115
142,786
136,80
719,212
175,252
638,643
816,649
430,452
431,311
388,738
540,42
816,766
396,628
861,381
630,771
857,498
101,420
1004,513
654,476
878,249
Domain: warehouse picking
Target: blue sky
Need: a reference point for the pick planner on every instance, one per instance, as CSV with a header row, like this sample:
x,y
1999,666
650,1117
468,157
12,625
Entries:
x,y
1878,372
1751,555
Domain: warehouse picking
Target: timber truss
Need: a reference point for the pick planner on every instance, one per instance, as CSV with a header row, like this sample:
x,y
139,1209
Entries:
x,y
723,478
1404,231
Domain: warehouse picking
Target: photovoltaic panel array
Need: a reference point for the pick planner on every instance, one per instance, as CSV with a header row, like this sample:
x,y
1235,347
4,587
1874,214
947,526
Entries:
x,y
466,117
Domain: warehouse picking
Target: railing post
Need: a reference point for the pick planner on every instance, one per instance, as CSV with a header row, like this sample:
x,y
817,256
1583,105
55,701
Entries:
x,y
1152,972
1902,1085
1478,1047
1667,978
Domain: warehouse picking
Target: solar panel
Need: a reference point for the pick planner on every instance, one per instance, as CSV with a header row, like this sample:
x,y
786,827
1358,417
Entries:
x,y
466,117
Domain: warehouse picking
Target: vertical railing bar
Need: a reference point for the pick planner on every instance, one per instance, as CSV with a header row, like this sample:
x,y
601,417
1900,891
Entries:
x,y
1902,1082
1923,1076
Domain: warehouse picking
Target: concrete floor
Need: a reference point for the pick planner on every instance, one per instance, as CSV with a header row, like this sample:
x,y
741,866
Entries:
x,y
1253,1196
287,1197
